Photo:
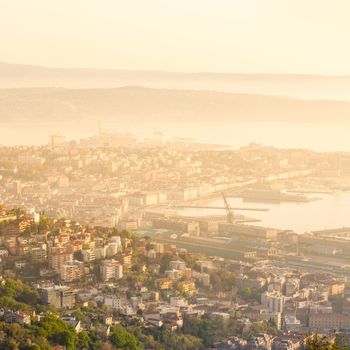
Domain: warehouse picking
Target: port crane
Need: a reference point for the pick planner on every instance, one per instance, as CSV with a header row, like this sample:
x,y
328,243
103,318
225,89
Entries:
x,y
227,207
229,211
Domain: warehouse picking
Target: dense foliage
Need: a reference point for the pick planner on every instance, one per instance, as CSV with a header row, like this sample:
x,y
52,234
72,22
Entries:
x,y
122,339
323,343
14,337
58,332
209,331
16,295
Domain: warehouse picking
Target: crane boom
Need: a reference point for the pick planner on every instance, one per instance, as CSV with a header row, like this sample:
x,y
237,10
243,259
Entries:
x,y
229,211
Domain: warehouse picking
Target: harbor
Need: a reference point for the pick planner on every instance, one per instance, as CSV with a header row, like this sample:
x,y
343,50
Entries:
x,y
330,211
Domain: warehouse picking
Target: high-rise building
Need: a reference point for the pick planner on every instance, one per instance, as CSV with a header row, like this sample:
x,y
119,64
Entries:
x,y
88,255
58,256
274,301
127,258
72,270
111,269
38,253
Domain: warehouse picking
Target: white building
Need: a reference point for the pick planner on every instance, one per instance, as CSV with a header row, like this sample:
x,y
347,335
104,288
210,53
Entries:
x,y
274,301
111,269
114,302
292,323
88,255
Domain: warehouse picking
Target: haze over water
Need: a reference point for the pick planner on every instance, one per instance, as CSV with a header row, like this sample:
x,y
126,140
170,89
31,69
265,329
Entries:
x,y
313,136
332,211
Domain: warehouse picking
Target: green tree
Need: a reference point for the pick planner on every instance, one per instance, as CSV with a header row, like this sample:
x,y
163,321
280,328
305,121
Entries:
x,y
222,280
122,339
83,340
247,293
57,331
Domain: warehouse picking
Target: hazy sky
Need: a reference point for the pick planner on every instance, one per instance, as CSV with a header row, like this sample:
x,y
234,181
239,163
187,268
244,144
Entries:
x,y
278,36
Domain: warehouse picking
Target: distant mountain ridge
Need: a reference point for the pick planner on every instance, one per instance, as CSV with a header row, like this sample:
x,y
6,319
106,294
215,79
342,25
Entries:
x,y
147,104
297,85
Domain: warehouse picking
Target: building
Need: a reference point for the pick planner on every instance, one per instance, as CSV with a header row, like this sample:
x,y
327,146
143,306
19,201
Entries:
x,y
58,256
114,246
277,284
243,282
114,302
111,269
203,278
187,287
58,296
39,253
292,323
274,301
177,265
319,321
249,231
127,258
88,255
336,288
292,286
177,225
17,317
178,302
173,274
72,270
147,198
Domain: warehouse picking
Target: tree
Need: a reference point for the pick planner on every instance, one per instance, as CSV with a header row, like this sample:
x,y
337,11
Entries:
x,y
316,342
164,262
209,331
17,295
222,280
247,293
81,316
83,340
122,339
175,341
14,337
57,331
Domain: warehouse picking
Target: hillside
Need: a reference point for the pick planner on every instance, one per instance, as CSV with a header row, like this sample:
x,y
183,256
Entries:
x,y
300,86
145,104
